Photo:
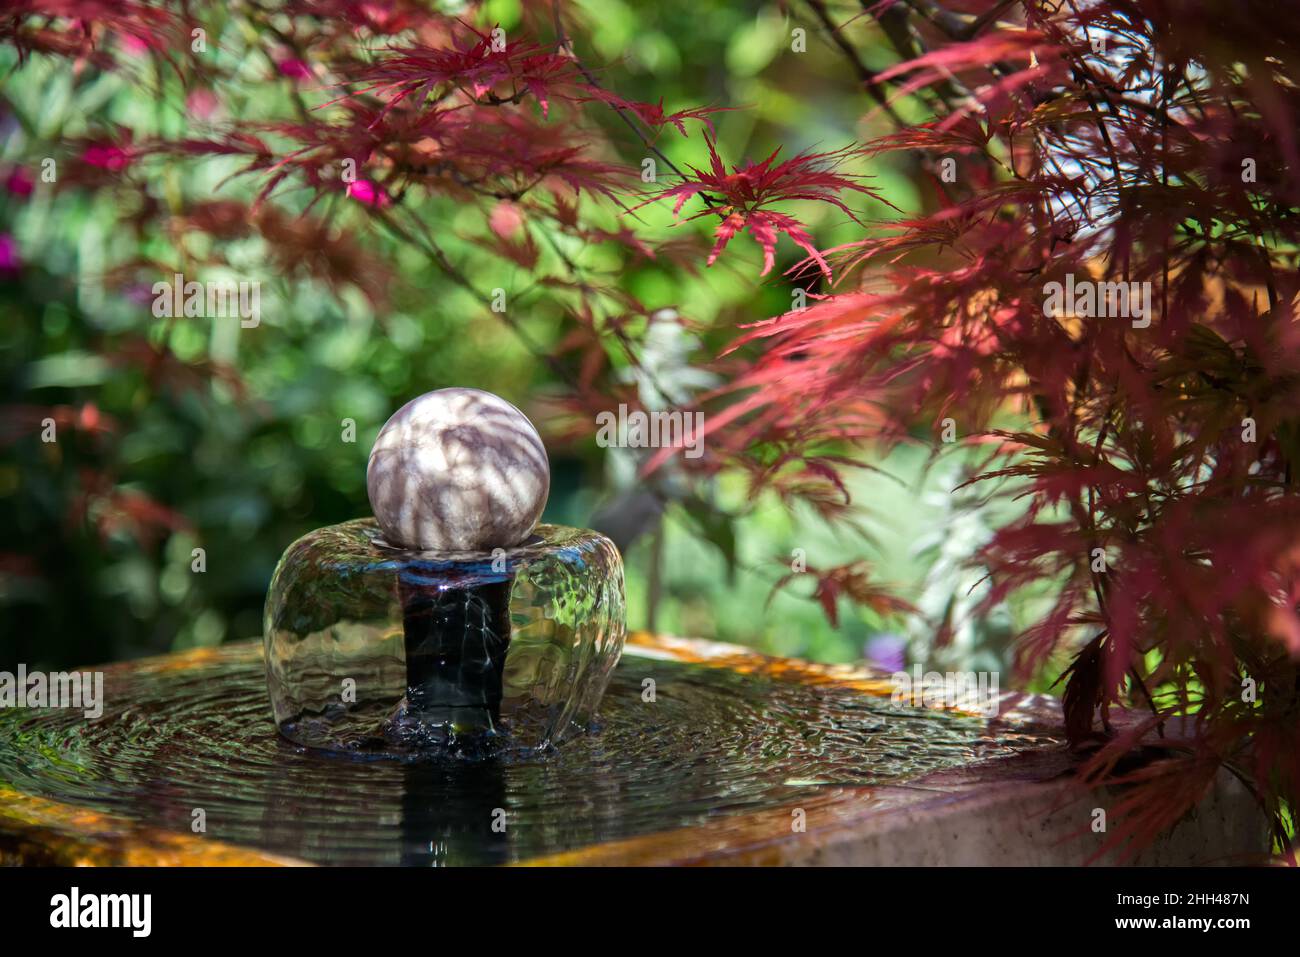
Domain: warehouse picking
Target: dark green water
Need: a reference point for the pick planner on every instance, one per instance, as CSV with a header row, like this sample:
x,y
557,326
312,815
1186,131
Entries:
x,y
713,742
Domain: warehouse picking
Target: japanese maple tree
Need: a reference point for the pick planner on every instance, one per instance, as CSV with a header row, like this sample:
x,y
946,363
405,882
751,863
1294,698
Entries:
x,y
1069,145
1072,145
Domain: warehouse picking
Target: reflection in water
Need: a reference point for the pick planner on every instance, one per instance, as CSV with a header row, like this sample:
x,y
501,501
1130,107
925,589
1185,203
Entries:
x,y
451,810
712,742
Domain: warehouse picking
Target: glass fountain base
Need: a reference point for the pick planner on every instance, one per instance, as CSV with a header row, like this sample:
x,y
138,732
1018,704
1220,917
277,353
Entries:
x,y
380,651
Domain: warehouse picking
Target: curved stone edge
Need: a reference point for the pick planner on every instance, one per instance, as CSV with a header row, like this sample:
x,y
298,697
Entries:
x,y
1014,811
1015,708
38,831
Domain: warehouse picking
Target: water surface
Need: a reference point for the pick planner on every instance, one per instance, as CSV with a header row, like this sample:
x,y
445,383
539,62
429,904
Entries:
x,y
713,742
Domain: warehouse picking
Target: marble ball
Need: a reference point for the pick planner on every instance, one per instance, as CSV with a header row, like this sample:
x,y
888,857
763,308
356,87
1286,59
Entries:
x,y
458,470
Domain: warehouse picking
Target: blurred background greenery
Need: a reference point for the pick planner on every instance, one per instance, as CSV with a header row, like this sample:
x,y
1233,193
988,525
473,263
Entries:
x,y
250,470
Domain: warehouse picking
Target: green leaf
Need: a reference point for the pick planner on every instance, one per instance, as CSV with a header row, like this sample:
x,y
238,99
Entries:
x,y
717,528
66,371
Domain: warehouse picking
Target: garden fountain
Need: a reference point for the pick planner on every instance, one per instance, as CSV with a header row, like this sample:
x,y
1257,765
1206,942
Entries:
x,y
451,623
434,675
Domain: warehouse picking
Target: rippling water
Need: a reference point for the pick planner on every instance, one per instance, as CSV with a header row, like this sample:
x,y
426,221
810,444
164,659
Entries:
x,y
713,742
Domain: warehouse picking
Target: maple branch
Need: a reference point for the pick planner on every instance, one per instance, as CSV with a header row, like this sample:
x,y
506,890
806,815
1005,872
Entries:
x,y
562,42
904,38
958,26
295,96
435,253
865,73
588,289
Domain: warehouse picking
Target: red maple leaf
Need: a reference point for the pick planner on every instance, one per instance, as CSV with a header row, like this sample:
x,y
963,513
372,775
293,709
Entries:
x,y
487,71
742,195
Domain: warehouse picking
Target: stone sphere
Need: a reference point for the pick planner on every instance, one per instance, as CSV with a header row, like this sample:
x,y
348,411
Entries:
x,y
458,470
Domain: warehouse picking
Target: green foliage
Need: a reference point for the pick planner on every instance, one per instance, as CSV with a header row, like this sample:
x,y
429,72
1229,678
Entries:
x,y
245,471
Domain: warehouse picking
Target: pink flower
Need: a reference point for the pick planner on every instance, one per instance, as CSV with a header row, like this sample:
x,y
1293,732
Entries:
x,y
294,68
133,44
106,156
10,262
369,193
506,219
20,182
202,103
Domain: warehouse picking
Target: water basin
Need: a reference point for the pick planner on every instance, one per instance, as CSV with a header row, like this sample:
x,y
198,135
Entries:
x,y
721,738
